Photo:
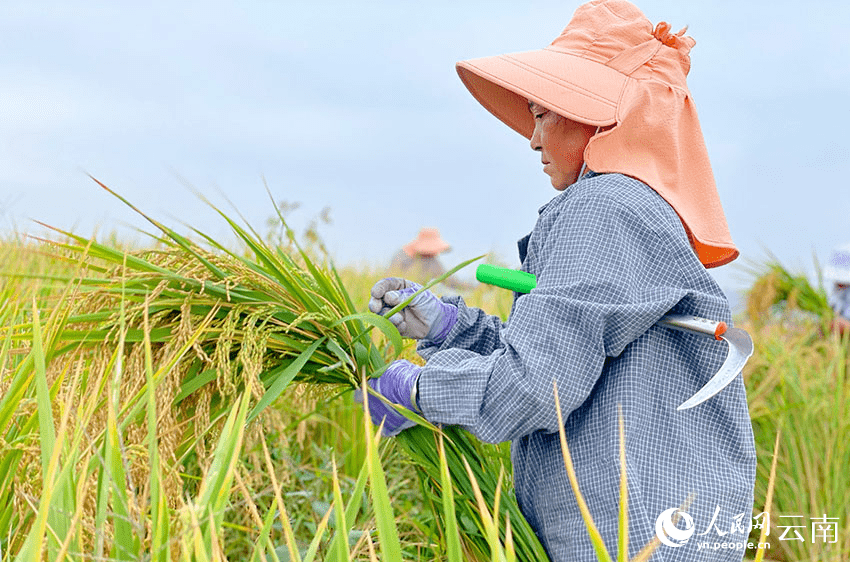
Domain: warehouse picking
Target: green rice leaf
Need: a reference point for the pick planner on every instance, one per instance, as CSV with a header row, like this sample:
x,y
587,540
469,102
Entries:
x,y
159,506
353,507
283,380
771,481
339,353
263,538
384,515
453,550
342,529
431,283
215,488
380,322
50,453
510,551
310,555
177,238
47,433
193,384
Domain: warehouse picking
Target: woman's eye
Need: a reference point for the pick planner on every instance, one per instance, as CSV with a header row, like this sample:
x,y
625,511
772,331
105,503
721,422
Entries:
x,y
539,115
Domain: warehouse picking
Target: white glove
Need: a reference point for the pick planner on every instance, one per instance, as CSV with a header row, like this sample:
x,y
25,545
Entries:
x,y
426,317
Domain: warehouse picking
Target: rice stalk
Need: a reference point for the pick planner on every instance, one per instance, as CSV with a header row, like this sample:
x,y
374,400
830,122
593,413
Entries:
x,y
595,536
592,530
238,326
771,482
453,548
798,384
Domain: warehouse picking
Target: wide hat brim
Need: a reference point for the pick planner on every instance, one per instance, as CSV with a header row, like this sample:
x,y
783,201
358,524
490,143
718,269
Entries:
x,y
671,157
504,84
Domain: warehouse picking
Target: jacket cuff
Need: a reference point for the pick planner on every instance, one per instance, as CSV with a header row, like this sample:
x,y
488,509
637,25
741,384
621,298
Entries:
x,y
465,318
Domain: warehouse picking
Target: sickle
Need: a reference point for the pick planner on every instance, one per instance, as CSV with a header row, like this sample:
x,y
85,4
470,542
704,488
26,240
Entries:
x,y
739,343
740,349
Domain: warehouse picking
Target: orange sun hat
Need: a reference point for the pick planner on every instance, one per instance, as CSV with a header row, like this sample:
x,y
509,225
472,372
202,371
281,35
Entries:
x,y
427,243
611,67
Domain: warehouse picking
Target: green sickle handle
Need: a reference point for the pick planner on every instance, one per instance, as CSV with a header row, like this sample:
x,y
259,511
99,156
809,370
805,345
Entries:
x,y
523,282
739,344
513,279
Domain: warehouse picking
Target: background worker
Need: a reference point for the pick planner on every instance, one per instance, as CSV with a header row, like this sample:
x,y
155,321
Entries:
x,y
627,239
418,259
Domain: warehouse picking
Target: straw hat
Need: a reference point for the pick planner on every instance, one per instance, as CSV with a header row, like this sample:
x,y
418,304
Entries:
x,y
611,67
837,270
427,243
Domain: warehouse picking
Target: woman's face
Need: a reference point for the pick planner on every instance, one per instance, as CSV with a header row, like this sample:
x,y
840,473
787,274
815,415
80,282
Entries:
x,y
561,144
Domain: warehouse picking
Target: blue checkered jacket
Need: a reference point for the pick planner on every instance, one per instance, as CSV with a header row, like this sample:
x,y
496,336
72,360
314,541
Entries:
x,y
611,258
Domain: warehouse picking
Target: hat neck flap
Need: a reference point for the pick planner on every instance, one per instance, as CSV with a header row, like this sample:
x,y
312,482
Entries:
x,y
658,140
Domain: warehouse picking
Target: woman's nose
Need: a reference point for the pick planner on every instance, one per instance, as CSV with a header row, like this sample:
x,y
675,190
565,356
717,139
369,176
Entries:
x,y
535,139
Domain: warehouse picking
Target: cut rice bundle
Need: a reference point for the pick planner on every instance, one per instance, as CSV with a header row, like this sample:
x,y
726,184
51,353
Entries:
x,y
255,324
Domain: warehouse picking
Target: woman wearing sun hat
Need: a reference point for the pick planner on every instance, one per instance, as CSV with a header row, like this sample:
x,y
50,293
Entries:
x,y
626,241
419,257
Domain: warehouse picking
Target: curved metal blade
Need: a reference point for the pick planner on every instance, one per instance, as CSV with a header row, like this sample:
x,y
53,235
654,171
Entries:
x,y
740,350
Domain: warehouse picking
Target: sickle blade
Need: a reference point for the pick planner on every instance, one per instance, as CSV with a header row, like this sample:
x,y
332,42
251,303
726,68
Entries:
x,y
740,350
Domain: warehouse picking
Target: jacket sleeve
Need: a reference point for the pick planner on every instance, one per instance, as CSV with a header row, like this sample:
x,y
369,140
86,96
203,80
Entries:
x,y
474,331
606,275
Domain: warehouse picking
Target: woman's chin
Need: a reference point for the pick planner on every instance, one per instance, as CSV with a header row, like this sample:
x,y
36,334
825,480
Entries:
x,y
560,184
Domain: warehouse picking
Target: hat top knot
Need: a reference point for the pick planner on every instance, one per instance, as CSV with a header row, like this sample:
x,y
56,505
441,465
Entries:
x,y
678,41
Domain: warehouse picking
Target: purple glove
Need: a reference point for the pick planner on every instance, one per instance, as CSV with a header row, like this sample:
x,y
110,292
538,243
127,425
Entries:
x,y
398,385
426,317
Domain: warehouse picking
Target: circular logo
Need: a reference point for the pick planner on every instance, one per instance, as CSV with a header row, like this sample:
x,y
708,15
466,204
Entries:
x,y
667,531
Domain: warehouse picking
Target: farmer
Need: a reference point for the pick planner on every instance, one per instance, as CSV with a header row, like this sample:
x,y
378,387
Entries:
x,y
419,258
837,272
627,239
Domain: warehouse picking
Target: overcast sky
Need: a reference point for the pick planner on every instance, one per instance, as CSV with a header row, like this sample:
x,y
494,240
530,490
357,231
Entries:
x,y
357,107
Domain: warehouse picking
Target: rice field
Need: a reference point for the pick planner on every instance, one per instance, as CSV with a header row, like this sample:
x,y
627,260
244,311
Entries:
x,y
190,401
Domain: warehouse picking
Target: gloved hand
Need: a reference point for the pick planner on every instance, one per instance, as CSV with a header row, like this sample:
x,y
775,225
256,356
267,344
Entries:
x,y
397,385
426,317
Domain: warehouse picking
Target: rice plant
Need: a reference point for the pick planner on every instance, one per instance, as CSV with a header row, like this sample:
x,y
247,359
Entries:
x,y
774,286
231,332
798,384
